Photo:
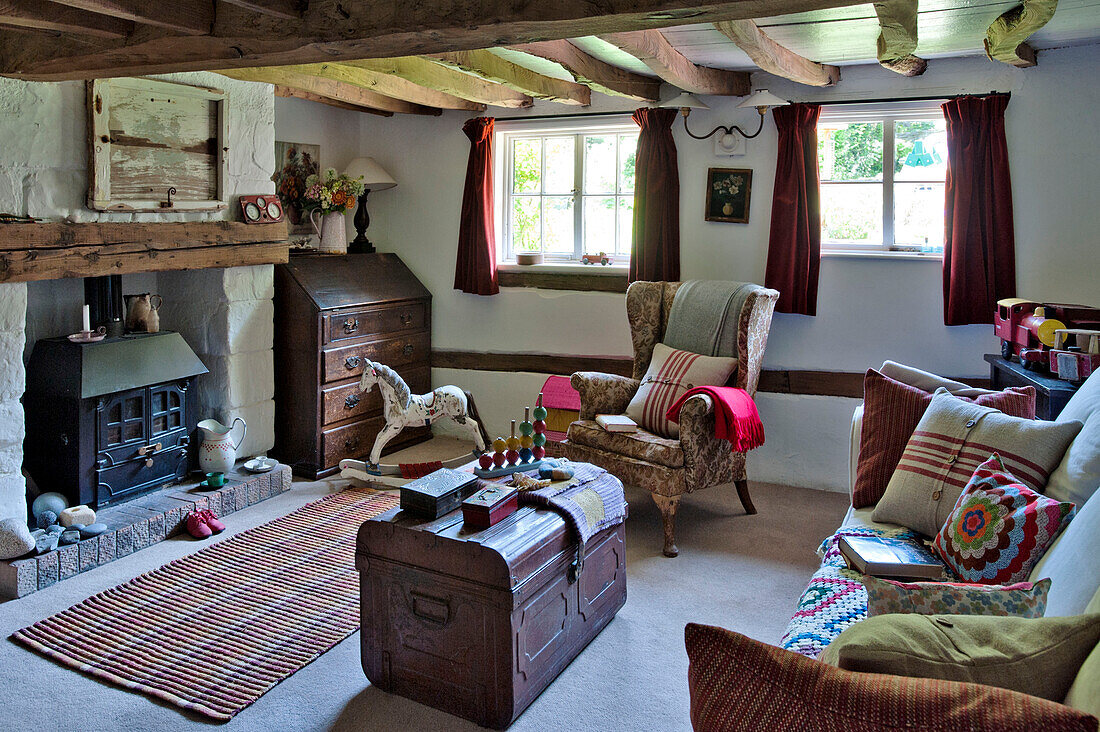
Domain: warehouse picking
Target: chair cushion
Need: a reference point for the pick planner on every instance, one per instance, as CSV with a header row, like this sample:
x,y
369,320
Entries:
x,y
1023,599
999,529
1037,656
670,374
891,411
640,445
737,683
952,439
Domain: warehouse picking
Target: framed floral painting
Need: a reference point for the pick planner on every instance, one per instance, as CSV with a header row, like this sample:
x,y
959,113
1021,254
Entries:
x,y
728,195
294,163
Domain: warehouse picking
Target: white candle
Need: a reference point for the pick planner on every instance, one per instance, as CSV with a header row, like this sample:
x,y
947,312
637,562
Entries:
x,y
87,318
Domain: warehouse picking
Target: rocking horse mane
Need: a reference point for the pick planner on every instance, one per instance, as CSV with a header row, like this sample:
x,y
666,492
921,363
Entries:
x,y
401,390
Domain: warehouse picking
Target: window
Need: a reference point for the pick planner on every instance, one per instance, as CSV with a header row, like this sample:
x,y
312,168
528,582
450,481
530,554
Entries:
x,y
567,191
869,206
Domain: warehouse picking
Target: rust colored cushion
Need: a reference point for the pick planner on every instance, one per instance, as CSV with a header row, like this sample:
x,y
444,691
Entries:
x,y
891,411
737,683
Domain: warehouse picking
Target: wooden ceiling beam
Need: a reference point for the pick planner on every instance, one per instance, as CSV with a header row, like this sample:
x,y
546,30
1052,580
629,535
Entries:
x,y
288,92
1005,38
445,79
188,17
336,30
51,17
488,65
587,69
341,91
285,9
653,49
897,38
774,58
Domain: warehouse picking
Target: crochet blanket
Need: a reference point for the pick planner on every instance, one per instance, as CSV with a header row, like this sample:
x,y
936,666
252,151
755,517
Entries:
x,y
704,316
835,598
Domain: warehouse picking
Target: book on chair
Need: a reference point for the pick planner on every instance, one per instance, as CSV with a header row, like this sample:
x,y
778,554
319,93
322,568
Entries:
x,y
616,423
889,557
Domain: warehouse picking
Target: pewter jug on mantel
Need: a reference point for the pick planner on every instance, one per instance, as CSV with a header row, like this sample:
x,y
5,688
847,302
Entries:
x,y
219,444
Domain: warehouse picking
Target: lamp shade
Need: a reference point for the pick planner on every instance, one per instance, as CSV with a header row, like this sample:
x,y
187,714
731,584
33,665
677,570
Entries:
x,y
375,177
763,98
685,101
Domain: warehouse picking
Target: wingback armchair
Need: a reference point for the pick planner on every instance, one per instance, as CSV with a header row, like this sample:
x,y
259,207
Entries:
x,y
668,468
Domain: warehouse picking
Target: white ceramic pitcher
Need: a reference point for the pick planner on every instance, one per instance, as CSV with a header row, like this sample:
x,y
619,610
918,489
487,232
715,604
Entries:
x,y
218,448
333,238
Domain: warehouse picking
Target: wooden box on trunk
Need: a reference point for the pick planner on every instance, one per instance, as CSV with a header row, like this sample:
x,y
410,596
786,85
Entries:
x,y
478,623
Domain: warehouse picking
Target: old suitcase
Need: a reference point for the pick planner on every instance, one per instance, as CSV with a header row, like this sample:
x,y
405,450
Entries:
x,y
478,623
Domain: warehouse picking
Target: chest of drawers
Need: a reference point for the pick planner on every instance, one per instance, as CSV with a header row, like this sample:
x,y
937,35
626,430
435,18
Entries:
x,y
332,314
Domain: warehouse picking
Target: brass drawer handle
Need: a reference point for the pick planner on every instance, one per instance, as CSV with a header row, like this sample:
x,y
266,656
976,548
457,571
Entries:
x,y
351,444
352,362
352,401
351,325
408,350
406,318
150,449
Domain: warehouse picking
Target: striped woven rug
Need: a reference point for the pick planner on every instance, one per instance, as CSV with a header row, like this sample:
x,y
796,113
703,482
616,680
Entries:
x,y
214,631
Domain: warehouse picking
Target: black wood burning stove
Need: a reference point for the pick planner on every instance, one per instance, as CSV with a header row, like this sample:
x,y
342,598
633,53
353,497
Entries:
x,y
112,420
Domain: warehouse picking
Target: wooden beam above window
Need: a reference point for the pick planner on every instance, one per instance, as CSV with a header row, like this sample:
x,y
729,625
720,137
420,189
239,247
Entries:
x,y
187,17
587,69
329,88
1005,38
488,65
897,38
653,49
774,58
448,80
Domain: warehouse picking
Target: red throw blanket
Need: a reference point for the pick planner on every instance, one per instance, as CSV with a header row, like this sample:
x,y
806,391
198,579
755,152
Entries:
x,y
735,416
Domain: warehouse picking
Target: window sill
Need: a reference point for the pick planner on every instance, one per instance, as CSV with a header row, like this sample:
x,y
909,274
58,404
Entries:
x,y
564,276
881,254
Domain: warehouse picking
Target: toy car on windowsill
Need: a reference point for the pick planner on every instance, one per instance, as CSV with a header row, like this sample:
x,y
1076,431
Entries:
x,y
601,258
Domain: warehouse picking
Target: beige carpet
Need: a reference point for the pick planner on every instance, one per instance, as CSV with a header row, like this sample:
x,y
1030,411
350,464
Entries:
x,y
740,572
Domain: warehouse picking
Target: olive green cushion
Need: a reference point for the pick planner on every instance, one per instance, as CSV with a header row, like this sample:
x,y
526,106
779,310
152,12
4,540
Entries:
x,y
1037,656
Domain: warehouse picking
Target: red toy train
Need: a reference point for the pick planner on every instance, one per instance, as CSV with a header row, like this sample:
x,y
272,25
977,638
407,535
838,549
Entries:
x,y
1026,328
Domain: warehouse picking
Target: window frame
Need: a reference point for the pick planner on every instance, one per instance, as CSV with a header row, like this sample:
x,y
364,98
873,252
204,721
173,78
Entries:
x,y
886,113
507,131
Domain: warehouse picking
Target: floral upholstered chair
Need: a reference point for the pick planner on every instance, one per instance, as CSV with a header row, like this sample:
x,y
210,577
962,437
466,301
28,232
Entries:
x,y
668,468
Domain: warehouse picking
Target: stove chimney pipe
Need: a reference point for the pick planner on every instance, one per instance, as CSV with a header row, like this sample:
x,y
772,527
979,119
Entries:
x,y
104,295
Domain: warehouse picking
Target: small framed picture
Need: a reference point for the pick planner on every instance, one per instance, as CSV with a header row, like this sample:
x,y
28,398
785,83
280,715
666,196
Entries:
x,y
728,195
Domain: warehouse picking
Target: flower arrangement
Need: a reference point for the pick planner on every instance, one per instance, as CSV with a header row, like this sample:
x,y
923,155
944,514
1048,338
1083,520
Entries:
x,y
728,187
333,194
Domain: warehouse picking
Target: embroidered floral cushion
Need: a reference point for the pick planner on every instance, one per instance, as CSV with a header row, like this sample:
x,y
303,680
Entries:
x,y
670,374
999,527
891,411
1023,599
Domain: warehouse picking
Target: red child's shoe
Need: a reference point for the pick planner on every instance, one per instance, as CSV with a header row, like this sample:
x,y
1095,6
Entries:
x,y
197,527
212,521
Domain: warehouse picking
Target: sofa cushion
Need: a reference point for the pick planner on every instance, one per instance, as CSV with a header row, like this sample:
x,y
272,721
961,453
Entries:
x,y
1072,562
670,374
1037,656
641,445
999,529
927,381
737,683
1077,477
951,440
1084,693
891,411
1023,599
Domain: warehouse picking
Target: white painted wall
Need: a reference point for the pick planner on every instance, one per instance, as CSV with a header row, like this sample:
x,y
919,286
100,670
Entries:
x,y
868,309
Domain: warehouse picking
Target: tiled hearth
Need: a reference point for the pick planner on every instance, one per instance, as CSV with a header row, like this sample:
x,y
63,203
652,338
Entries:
x,y
137,524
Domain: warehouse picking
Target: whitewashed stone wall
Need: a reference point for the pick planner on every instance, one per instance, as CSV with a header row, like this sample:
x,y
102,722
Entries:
x,y
225,315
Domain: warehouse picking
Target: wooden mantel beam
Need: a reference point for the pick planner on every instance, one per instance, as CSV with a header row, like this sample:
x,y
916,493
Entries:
x,y
286,9
1005,38
288,92
488,65
587,69
774,58
897,38
442,78
330,88
653,49
47,16
336,30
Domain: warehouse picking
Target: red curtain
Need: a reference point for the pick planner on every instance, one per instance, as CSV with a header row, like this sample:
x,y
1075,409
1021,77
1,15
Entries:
x,y
794,245
655,254
476,268
979,250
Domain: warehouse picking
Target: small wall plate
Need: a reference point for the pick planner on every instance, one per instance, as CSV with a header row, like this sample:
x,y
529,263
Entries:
x,y
263,209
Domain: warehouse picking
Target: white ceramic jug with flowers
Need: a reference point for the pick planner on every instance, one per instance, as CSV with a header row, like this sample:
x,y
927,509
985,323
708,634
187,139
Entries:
x,y
327,200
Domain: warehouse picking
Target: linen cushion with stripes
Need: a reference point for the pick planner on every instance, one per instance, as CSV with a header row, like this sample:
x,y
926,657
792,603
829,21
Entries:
x,y
951,440
672,372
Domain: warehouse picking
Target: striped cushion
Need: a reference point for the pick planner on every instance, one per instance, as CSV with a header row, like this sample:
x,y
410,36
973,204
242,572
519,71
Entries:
x,y
737,683
891,411
670,374
952,439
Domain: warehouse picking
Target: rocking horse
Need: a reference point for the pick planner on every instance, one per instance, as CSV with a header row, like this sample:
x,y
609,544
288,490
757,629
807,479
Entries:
x,y
402,409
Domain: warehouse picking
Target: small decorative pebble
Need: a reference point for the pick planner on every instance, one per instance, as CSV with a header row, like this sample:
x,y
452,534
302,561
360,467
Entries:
x,y
46,543
92,530
55,529
49,502
45,519
74,527
69,537
77,515
15,538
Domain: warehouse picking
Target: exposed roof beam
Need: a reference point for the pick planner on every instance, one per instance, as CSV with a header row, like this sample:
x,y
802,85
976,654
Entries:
x,y
897,38
776,59
285,9
488,65
341,91
51,17
1004,39
286,91
587,69
653,49
183,16
442,78
335,30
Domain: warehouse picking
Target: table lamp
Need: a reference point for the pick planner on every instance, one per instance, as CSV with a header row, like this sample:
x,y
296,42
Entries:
x,y
374,178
